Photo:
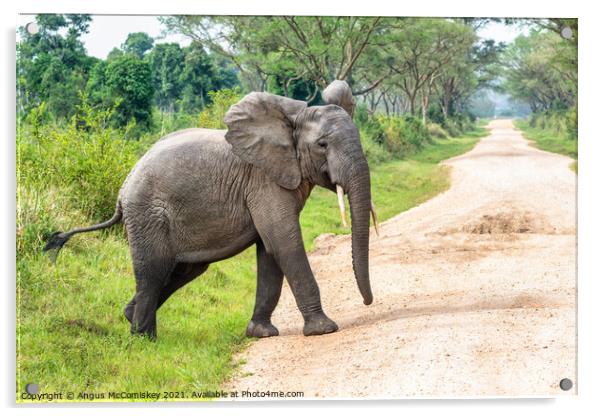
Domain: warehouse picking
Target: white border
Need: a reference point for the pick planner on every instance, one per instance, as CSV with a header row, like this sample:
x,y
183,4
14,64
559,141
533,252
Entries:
x,y
589,213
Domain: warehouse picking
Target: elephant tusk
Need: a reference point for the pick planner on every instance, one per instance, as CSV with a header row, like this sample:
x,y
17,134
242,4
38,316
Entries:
x,y
340,195
373,211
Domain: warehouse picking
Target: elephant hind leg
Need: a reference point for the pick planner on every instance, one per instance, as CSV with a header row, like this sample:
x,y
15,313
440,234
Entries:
x,y
269,287
181,275
151,277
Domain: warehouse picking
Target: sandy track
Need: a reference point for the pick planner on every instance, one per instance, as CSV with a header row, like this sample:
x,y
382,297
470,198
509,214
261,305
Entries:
x,y
474,291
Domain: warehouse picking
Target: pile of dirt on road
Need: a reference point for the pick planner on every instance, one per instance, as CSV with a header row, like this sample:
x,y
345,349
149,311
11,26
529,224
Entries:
x,y
510,222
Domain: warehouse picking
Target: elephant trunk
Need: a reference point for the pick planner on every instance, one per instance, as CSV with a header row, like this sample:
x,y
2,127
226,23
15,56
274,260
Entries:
x,y
358,191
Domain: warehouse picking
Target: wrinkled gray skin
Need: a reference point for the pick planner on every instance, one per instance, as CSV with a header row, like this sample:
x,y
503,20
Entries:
x,y
339,93
199,196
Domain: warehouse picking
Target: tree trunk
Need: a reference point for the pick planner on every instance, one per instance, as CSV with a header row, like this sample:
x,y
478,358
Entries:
x,y
425,105
412,99
386,105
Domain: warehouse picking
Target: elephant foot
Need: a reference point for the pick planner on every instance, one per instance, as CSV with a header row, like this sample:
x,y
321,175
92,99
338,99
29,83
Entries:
x,y
319,324
261,329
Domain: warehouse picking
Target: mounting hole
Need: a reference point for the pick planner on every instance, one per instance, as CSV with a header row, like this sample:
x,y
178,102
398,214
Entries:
x,y
32,28
566,32
566,384
32,388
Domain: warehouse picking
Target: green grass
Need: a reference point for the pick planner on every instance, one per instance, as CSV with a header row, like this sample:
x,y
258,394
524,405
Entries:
x,y
72,335
550,141
484,121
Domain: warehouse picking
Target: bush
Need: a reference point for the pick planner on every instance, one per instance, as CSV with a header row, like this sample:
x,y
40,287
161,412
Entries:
x,y
75,168
212,117
386,137
572,126
558,122
169,122
369,125
404,135
435,130
375,153
459,124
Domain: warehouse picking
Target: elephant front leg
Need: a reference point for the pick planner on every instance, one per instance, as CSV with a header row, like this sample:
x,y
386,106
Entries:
x,y
269,287
307,294
281,233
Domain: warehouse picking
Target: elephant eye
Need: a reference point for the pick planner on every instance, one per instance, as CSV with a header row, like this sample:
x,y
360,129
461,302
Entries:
x,y
323,143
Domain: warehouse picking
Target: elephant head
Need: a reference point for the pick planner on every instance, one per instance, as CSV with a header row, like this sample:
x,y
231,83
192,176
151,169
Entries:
x,y
292,142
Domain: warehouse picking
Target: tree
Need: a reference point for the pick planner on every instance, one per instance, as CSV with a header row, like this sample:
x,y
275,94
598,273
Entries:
x,y
467,75
97,89
129,80
418,52
166,61
52,65
138,44
202,73
535,74
285,49
115,53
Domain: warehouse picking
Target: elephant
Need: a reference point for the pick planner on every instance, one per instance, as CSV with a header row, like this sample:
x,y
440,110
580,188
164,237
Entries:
x,y
199,196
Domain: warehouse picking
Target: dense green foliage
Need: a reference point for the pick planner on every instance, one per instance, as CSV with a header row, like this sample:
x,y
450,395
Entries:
x,y
212,117
65,168
53,68
541,69
128,78
560,123
397,137
398,66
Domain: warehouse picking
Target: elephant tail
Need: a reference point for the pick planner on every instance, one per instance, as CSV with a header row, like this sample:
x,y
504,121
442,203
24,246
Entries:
x,y
57,240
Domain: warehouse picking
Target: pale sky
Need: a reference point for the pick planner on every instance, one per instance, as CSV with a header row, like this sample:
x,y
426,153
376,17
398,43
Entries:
x,y
107,32
500,32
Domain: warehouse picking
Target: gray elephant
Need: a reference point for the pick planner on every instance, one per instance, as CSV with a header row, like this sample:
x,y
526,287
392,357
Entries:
x,y
199,196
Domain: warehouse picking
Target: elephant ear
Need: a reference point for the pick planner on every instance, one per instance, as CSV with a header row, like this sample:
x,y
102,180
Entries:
x,y
339,93
260,130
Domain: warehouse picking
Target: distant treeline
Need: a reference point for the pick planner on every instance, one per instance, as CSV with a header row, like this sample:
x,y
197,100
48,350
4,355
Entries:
x,y
137,77
437,70
428,68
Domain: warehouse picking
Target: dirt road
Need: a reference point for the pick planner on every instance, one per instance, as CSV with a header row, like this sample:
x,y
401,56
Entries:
x,y
474,291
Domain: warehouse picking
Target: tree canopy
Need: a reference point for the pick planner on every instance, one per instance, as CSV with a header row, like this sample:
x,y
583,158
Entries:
x,y
541,69
54,68
431,68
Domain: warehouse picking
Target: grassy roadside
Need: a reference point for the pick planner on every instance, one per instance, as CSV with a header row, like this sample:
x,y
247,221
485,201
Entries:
x,y
550,141
72,336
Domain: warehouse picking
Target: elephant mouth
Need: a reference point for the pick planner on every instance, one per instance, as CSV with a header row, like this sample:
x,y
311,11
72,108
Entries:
x,y
328,182
340,191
